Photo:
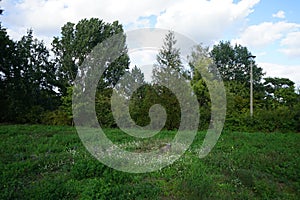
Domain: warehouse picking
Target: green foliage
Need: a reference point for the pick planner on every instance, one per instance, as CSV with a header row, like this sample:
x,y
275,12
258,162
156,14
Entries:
x,y
75,44
27,79
56,117
280,91
63,115
50,188
34,115
168,57
37,89
197,183
6,52
168,61
168,65
277,111
140,103
208,87
233,63
281,119
50,162
275,101
103,108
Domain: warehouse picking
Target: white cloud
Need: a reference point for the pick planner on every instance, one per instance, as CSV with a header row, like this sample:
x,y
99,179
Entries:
x,y
291,72
265,33
205,21
280,14
46,17
51,14
291,44
201,19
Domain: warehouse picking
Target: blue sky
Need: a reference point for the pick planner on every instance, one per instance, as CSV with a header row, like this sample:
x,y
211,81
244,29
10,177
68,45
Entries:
x,y
269,28
264,12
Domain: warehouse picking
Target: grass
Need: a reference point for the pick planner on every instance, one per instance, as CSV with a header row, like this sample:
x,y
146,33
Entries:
x,y
50,162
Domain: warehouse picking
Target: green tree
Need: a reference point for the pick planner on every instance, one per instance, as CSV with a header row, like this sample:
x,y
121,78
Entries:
x,y
280,91
75,44
103,108
7,51
37,75
168,65
132,80
128,102
233,63
168,61
137,97
29,79
200,59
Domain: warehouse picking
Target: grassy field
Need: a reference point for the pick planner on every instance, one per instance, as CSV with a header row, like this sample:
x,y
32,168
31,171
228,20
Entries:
x,y
50,162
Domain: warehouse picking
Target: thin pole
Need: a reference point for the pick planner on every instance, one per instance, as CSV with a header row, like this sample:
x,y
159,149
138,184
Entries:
x,y
251,84
251,89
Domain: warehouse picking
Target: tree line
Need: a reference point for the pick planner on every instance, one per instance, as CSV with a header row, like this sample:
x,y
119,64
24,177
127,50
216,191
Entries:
x,y
36,84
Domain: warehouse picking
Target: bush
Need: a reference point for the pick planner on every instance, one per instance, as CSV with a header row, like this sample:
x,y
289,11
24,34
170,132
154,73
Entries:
x,y
33,116
57,117
281,119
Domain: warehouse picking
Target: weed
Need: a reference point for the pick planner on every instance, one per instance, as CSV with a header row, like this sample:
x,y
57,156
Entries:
x,y
50,162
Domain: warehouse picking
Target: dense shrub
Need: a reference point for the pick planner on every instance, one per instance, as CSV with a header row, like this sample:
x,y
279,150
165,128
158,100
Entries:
x,y
281,119
57,117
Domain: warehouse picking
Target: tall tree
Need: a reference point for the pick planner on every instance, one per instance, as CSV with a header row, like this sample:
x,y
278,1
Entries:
x,y
280,91
168,60
75,44
168,67
233,63
207,86
198,59
7,52
29,78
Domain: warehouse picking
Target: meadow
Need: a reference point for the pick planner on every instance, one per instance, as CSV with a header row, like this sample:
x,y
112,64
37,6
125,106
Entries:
x,y
50,162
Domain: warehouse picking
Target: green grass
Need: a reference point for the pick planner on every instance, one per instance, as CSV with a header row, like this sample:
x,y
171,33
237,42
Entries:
x,y
50,162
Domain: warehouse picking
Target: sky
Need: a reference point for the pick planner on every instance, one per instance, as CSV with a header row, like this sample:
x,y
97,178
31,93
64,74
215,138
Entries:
x,y
270,29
